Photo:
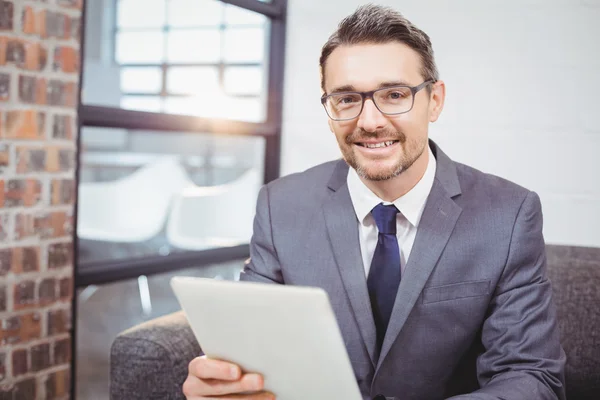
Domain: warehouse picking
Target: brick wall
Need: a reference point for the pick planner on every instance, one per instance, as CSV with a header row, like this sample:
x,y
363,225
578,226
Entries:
x,y
39,67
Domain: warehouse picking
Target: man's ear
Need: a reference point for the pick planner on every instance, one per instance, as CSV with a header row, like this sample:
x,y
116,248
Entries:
x,y
436,102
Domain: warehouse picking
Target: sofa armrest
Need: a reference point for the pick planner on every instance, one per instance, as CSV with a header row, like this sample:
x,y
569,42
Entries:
x,y
150,360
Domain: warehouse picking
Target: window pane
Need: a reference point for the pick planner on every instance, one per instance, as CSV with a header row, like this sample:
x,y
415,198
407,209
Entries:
x,y
243,80
246,109
244,45
129,15
184,13
153,169
240,16
142,103
140,47
188,46
192,80
218,106
141,80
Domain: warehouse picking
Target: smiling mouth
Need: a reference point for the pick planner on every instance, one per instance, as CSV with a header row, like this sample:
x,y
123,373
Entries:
x,y
377,145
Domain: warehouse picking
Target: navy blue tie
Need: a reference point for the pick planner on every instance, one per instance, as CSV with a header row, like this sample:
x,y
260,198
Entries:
x,y
384,275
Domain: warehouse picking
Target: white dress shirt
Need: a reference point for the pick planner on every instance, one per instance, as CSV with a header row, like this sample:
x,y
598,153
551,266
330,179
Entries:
x,y
410,205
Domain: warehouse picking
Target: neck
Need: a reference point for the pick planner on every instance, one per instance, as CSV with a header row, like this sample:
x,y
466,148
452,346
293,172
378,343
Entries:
x,y
392,189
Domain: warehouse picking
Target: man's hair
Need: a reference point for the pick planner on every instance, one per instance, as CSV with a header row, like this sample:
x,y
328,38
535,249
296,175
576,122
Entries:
x,y
380,25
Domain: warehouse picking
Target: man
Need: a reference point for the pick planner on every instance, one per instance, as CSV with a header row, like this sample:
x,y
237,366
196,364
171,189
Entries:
x,y
436,271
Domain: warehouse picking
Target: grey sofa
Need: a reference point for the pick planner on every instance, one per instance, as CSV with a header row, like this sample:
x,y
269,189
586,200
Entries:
x,y
150,361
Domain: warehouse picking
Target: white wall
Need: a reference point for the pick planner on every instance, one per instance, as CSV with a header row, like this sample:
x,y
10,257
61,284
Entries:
x,y
522,96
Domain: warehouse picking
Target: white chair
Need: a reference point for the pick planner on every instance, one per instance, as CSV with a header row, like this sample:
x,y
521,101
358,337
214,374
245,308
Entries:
x,y
132,209
214,216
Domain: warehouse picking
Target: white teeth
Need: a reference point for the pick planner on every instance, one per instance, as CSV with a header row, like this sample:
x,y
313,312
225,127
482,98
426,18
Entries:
x,y
376,145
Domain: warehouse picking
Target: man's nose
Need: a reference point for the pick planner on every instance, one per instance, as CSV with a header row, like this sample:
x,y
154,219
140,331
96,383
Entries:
x,y
371,119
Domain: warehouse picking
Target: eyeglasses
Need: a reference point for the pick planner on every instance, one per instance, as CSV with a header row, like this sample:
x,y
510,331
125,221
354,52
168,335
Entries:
x,y
392,100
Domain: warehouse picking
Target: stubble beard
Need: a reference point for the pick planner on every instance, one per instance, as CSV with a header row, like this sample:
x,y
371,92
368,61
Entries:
x,y
411,151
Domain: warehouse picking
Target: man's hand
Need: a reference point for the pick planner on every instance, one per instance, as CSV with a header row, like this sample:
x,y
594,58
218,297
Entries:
x,y
214,379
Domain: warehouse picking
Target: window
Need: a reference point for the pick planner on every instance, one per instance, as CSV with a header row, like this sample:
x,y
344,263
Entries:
x,y
192,57
196,81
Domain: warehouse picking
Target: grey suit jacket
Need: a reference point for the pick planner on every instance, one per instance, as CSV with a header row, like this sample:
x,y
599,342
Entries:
x,y
474,316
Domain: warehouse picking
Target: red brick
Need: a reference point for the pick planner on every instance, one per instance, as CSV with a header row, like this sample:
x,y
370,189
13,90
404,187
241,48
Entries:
x,y
43,225
40,357
45,159
4,233
36,57
24,295
20,329
62,191
25,259
31,159
59,321
2,298
24,226
62,351
2,368
46,23
30,21
25,124
5,261
63,127
19,362
3,41
58,384
27,55
47,293
22,192
53,225
2,184
4,156
60,255
32,90
59,159
26,389
4,83
66,59
66,288
71,3
6,15
61,94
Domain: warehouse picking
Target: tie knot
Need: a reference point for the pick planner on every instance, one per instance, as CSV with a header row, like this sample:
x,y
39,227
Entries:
x,y
385,218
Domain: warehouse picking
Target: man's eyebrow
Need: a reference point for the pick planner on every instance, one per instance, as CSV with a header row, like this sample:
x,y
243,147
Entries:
x,y
382,85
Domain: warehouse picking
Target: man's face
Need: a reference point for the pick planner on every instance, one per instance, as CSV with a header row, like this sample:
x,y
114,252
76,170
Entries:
x,y
367,67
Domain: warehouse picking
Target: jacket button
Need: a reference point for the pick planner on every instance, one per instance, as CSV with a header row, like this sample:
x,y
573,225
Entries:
x,y
379,397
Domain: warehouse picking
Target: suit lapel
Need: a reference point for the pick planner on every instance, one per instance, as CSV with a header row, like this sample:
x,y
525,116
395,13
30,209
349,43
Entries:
x,y
342,228
436,225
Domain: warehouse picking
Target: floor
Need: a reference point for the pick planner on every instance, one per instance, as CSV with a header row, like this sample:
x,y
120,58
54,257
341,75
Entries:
x,y
105,311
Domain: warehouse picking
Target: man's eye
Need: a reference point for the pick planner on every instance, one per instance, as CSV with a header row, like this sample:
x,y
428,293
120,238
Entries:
x,y
347,100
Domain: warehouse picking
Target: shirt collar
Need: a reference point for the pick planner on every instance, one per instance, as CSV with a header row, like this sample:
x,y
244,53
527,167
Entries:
x,y
411,205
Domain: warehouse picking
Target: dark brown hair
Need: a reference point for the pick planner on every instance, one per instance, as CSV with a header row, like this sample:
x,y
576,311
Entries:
x,y
379,25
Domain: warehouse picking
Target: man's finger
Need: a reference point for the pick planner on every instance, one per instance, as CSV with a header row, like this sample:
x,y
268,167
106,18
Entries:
x,y
248,383
205,368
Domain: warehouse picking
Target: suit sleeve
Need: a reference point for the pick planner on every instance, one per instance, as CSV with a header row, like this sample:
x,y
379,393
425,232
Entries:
x,y
523,358
263,264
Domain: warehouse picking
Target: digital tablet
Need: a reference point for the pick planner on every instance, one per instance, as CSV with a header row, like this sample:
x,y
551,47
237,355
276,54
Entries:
x,y
289,334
